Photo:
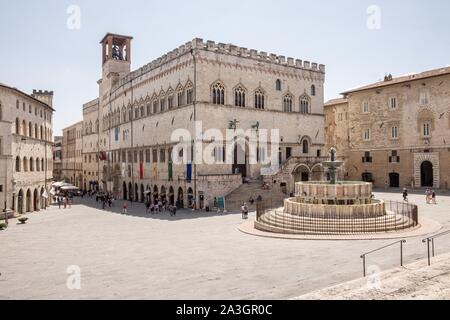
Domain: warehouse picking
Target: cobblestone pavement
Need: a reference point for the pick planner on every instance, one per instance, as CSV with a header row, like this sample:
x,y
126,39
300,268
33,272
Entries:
x,y
195,255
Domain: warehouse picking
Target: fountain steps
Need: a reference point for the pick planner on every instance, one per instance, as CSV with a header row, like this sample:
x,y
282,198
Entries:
x,y
286,223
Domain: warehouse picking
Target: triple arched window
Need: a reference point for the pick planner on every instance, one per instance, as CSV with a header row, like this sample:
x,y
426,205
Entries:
x,y
218,94
239,96
259,99
287,102
304,104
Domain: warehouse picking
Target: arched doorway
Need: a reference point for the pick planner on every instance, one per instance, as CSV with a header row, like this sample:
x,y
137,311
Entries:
x,y
394,180
155,193
35,200
124,191
240,158
190,195
171,196
148,194
163,194
142,193
317,173
44,201
426,174
130,191
28,201
180,198
20,202
301,173
136,192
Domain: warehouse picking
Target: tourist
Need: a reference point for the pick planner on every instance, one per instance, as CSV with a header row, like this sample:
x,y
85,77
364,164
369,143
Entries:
x,y
58,198
125,208
405,194
147,206
244,211
427,195
65,202
251,200
433,196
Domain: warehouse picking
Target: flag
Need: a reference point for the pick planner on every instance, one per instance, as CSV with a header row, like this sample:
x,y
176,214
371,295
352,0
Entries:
x,y
188,172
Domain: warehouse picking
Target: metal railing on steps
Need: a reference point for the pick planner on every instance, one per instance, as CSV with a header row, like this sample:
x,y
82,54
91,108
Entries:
x,y
401,242
430,240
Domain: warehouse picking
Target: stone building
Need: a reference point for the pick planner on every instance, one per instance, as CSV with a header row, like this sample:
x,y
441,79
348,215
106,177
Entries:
x,y
197,87
57,158
90,143
72,162
398,130
26,163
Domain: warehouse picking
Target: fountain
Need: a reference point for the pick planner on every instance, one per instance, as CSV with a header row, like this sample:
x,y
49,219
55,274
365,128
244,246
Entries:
x,y
335,207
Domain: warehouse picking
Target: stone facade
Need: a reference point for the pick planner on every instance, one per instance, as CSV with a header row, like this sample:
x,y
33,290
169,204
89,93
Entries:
x,y
57,158
198,82
26,163
90,143
72,162
398,131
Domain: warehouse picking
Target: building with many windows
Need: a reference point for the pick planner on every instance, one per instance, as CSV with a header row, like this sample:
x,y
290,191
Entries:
x,y
71,149
195,88
26,162
57,158
396,132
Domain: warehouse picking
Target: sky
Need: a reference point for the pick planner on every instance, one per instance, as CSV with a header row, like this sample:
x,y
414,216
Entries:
x,y
45,46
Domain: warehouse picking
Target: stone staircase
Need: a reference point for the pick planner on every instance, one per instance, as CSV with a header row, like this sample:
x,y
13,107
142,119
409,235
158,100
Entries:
x,y
280,222
415,281
235,199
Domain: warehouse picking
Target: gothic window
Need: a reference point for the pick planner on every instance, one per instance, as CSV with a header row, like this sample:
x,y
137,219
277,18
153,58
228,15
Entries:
x,y
124,115
30,129
149,109
130,113
287,103
239,96
155,106
42,165
136,112
17,126
180,96
170,102
259,99
313,90
278,85
142,110
189,93
41,136
36,132
218,93
38,167
162,104
305,146
31,164
304,104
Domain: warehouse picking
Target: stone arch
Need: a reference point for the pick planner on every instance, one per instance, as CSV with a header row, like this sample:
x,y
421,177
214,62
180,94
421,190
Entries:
x,y
155,193
218,93
142,193
301,172
124,191
130,191
20,202
433,159
180,197
163,194
136,192
171,196
317,172
28,201
35,200
190,196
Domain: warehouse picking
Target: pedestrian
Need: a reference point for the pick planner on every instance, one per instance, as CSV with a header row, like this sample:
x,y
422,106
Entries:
x,y
405,195
427,196
251,200
70,202
125,208
433,196
58,198
147,206
65,202
244,211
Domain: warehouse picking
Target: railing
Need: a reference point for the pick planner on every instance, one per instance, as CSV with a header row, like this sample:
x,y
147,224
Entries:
x,y
332,220
363,256
431,240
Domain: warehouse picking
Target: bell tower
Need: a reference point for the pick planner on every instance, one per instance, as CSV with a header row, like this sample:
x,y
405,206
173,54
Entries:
x,y
116,56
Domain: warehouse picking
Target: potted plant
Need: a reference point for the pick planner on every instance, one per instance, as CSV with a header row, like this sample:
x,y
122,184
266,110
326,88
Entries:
x,y
23,220
3,226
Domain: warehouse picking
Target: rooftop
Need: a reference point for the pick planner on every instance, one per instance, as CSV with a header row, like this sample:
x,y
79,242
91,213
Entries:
x,y
334,102
401,79
28,95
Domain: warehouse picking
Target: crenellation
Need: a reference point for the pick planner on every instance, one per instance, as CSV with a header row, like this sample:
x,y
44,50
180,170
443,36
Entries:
x,y
281,59
290,61
306,64
253,53
314,66
322,67
298,63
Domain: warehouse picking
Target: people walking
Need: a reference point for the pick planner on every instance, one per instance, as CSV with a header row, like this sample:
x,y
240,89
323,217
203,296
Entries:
x,y
244,211
58,198
433,197
428,196
125,208
405,195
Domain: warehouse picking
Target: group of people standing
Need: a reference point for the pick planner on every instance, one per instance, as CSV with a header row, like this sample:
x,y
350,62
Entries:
x,y
430,196
64,200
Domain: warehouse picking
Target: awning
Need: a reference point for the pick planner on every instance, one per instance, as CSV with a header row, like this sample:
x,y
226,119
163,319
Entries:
x,y
69,188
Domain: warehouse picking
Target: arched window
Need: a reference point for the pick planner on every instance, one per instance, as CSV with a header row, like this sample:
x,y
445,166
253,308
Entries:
x,y
17,126
287,103
31,164
313,90
278,85
36,131
42,165
130,113
142,111
239,96
30,129
305,146
124,115
17,164
25,164
189,93
1,111
180,96
38,165
149,109
24,128
41,136
259,99
304,104
218,94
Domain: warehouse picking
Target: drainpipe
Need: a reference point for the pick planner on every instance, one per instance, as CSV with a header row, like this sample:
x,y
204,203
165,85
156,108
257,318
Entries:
x,y
195,119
